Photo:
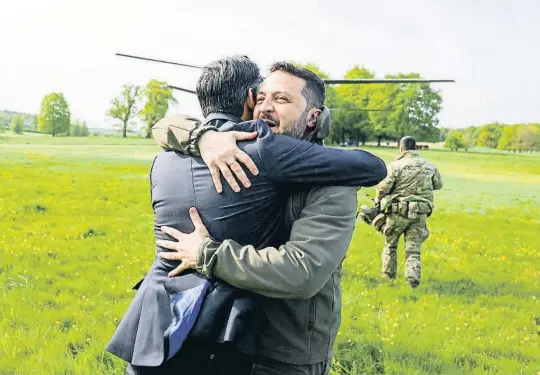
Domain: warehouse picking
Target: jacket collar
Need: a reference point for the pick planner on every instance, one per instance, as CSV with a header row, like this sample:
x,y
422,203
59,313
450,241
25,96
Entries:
x,y
407,153
219,118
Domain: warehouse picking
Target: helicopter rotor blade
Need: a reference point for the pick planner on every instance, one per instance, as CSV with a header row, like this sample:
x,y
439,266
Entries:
x,y
326,81
388,80
158,61
181,89
361,109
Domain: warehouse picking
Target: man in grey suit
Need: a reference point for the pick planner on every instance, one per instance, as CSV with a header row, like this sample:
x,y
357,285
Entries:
x,y
148,333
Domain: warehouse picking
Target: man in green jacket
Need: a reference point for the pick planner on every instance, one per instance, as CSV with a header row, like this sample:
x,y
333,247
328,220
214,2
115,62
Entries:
x,y
301,278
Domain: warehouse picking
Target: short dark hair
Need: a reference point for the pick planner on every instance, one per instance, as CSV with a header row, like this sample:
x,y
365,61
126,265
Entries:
x,y
407,143
314,91
224,85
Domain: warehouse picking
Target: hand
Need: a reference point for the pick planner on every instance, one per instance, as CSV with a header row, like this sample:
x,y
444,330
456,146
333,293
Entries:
x,y
186,248
220,152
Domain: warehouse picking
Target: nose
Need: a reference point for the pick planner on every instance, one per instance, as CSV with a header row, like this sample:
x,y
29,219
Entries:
x,y
266,106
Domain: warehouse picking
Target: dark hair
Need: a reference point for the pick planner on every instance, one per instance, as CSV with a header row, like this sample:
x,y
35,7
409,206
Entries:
x,y
224,85
314,90
407,143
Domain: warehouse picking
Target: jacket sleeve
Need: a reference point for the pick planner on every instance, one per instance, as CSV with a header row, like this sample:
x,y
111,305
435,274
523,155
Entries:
x,y
173,133
437,180
292,161
300,268
385,186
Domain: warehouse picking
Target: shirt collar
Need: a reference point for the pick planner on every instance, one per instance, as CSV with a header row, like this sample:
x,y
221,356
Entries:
x,y
219,118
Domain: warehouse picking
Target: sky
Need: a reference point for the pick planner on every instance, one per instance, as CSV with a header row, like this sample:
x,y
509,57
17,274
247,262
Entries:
x,y
490,47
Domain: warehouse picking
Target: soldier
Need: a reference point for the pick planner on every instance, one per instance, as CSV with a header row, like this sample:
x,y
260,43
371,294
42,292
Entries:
x,y
405,197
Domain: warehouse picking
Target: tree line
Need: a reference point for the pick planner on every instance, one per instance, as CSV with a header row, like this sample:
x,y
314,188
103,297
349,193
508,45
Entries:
x,y
507,137
360,113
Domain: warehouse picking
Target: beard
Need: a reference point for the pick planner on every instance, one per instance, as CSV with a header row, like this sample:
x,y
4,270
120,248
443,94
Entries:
x,y
298,129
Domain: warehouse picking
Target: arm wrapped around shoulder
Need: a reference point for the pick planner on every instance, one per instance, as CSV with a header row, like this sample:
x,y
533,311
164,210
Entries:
x,y
291,160
176,133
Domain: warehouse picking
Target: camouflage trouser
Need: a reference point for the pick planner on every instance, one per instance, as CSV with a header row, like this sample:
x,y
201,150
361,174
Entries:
x,y
416,232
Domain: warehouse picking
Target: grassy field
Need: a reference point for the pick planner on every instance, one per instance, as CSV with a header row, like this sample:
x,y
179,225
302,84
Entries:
x,y
76,234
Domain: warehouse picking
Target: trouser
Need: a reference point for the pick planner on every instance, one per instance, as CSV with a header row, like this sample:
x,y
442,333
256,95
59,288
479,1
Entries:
x,y
267,366
200,359
415,232
196,359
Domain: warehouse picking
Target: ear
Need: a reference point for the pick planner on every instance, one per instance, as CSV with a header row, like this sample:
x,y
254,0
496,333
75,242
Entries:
x,y
250,101
313,114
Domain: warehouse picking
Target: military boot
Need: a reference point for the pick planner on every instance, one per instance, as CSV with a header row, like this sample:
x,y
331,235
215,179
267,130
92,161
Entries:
x,y
368,214
413,283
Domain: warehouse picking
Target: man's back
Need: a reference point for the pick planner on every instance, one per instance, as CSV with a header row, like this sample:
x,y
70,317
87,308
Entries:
x,y
413,177
180,182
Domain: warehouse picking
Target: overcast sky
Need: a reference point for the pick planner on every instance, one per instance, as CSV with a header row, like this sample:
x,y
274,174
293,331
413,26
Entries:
x,y
490,47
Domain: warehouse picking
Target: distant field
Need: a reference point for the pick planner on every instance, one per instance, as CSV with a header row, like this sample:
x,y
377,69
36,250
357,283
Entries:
x,y
37,138
76,234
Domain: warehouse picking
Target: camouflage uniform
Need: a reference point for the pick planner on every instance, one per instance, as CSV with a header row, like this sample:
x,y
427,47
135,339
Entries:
x,y
406,199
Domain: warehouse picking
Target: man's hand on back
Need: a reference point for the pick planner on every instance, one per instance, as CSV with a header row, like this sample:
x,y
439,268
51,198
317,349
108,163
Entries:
x,y
187,244
220,153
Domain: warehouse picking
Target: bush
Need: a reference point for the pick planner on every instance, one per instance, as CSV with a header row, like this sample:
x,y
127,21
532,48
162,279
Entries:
x,y
454,141
17,125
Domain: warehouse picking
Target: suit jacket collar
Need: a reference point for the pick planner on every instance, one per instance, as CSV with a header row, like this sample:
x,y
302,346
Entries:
x,y
219,118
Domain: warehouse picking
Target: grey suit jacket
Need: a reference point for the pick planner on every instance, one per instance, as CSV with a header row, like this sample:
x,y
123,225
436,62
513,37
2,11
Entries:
x,y
253,216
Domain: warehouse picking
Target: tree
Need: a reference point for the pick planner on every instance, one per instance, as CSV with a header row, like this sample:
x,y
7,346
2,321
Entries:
x,y
489,135
34,123
124,106
350,122
17,125
350,117
158,98
380,104
415,109
85,132
527,137
79,129
454,141
468,140
471,135
443,134
54,115
508,138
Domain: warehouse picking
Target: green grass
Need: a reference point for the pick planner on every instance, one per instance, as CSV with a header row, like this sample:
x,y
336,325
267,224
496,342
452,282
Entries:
x,y
76,234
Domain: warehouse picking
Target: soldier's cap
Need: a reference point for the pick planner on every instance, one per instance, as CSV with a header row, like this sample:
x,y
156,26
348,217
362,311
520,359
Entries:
x,y
166,131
